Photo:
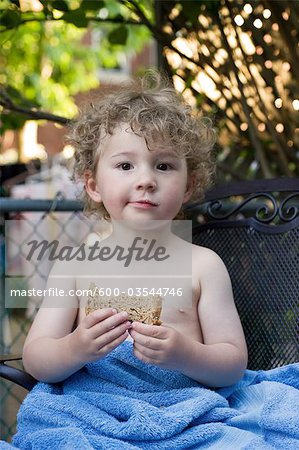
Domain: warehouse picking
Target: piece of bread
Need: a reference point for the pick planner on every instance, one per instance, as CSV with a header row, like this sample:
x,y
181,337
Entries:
x,y
142,309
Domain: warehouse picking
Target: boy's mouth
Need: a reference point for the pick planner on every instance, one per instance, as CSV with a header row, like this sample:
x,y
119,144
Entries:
x,y
144,203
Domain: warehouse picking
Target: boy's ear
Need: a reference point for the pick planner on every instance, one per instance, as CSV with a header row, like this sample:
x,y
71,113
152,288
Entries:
x,y
91,188
190,188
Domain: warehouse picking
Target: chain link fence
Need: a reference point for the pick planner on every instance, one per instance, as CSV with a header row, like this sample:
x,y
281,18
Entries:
x,y
21,222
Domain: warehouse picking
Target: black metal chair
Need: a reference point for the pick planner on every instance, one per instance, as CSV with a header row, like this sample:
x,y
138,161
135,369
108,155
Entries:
x,y
254,227
14,374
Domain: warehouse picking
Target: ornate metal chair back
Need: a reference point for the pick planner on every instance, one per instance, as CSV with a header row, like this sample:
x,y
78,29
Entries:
x,y
254,227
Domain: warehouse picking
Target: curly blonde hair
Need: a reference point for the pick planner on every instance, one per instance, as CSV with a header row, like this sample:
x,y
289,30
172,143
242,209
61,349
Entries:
x,y
154,111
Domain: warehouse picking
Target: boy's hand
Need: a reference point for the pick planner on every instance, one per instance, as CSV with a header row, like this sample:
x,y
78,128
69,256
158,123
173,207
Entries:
x,y
159,345
98,334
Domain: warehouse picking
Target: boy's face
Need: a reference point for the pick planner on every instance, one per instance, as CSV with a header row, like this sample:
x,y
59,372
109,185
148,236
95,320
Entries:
x,y
136,184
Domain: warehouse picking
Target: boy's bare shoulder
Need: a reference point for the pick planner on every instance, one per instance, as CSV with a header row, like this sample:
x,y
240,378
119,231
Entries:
x,y
206,260
199,252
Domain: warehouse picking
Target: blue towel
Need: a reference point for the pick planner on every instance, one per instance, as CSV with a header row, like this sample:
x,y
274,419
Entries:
x,y
121,403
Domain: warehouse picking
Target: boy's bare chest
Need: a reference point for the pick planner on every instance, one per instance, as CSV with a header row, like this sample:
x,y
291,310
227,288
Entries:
x,y
184,320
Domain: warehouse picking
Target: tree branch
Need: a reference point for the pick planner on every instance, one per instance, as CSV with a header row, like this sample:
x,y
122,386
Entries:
x,y
31,113
92,19
160,36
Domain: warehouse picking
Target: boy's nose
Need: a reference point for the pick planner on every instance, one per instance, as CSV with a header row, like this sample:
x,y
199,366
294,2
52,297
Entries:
x,y
146,181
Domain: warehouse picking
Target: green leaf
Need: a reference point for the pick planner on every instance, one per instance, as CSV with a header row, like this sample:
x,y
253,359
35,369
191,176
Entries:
x,y
10,19
76,17
16,3
45,3
92,5
61,5
12,121
118,36
191,10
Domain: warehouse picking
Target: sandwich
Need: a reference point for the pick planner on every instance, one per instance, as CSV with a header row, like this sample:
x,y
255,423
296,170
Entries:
x,y
141,309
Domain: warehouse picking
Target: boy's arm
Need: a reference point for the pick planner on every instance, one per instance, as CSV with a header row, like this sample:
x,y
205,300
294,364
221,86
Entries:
x,y
222,357
54,349
46,353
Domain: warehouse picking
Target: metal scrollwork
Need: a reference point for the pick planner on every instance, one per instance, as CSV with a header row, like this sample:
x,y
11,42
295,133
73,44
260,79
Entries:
x,y
288,212
276,206
264,210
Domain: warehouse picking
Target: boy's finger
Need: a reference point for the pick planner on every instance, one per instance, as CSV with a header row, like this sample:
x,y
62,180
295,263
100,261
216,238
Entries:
x,y
145,341
107,338
98,316
111,322
156,331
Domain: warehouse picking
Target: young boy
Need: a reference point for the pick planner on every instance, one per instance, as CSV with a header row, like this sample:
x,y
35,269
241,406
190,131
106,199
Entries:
x,y
142,154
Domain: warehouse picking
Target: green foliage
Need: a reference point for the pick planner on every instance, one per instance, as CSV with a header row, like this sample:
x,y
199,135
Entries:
x,y
43,55
48,63
191,10
76,17
226,65
60,5
92,5
118,36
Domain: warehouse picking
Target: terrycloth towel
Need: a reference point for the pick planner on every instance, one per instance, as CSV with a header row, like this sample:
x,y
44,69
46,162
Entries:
x,y
121,403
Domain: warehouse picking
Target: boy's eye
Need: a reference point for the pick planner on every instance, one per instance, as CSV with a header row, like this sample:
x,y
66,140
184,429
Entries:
x,y
163,166
125,166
